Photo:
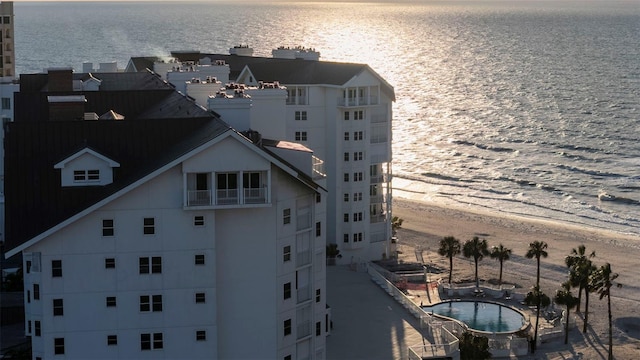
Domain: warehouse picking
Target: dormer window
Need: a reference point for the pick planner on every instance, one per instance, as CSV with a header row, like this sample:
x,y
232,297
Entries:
x,y
86,168
83,176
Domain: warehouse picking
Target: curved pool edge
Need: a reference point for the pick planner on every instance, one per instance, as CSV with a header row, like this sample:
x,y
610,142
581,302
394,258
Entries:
x,y
524,327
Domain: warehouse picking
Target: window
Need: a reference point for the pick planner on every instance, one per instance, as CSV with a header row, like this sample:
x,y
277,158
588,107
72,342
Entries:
x,y
6,103
301,136
227,188
56,268
318,328
147,344
112,339
357,216
156,265
301,115
29,327
287,327
357,196
93,175
28,267
346,115
346,136
200,298
58,307
58,346
286,253
86,175
107,227
201,335
346,197
28,296
36,328
150,303
357,176
287,291
357,135
157,341
345,218
358,156
318,229
345,238
346,177
144,265
109,263
111,301
318,198
358,115
36,292
286,216
199,260
346,156
149,227
317,295
198,220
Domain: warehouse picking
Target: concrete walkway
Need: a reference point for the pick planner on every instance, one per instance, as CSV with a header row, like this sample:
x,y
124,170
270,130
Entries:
x,y
367,322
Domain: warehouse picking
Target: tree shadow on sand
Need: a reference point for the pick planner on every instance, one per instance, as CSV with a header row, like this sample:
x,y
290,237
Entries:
x,y
630,326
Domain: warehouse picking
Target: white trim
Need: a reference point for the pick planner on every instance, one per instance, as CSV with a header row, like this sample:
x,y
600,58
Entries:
x,y
141,181
86,150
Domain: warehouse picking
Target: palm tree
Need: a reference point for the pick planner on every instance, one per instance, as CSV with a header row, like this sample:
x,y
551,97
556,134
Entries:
x,y
601,281
396,223
501,253
566,298
579,263
449,247
476,248
537,249
538,298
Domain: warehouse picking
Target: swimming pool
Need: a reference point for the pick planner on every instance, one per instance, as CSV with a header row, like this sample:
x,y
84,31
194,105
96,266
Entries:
x,y
481,315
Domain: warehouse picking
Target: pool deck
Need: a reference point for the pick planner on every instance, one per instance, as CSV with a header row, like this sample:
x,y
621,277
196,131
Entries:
x,y
367,322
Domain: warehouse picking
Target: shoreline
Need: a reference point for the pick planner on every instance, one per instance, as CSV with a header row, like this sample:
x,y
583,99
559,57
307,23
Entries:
x,y
425,224
403,193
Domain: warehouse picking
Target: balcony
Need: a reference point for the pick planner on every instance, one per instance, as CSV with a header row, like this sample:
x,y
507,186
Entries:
x,y
255,195
199,198
303,258
226,189
304,329
303,294
227,197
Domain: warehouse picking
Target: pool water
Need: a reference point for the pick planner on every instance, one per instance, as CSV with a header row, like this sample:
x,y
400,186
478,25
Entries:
x,y
479,315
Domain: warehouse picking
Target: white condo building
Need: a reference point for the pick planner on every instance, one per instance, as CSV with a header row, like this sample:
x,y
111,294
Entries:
x,y
342,111
157,230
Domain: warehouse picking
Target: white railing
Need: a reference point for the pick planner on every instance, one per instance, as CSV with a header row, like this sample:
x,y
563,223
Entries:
x,y
226,196
303,220
445,348
303,258
318,168
198,197
303,294
255,195
446,333
304,329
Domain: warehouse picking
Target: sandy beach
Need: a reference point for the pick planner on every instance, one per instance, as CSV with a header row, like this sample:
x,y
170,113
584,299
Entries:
x,y
426,223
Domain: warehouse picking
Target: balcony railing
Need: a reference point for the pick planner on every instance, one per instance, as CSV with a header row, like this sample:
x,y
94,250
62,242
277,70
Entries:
x,y
199,197
318,168
226,196
303,294
255,195
303,258
304,329
377,218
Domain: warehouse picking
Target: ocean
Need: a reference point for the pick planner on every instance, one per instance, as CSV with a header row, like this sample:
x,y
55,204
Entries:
x,y
528,108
